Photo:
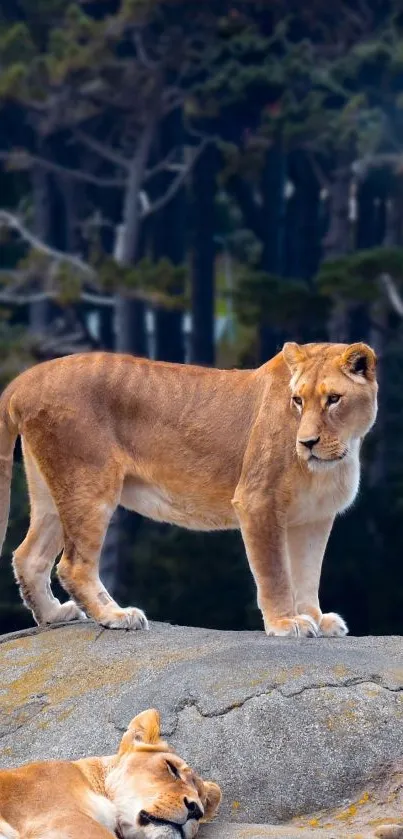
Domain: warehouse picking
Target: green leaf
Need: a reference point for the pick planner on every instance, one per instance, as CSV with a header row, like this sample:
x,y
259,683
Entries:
x,y
16,45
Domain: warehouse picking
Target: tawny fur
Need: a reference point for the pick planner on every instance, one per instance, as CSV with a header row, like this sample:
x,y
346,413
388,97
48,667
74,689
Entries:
x,y
101,797
202,448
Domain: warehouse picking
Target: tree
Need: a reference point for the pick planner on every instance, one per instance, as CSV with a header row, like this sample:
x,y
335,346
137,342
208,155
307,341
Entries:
x,y
204,185
73,82
328,117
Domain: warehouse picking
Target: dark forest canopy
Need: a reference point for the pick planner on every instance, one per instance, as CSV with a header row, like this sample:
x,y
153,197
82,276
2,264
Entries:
x,y
236,163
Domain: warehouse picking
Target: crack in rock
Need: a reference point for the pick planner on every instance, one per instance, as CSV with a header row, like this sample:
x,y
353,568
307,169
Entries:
x,y
18,718
192,702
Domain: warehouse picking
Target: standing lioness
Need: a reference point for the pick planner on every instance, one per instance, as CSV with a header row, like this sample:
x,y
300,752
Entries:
x,y
273,451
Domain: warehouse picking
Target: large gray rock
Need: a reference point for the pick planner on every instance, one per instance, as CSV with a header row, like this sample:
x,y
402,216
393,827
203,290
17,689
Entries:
x,y
364,830
288,727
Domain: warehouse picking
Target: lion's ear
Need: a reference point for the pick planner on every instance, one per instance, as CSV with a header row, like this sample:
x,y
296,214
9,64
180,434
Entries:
x,y
359,362
293,355
145,728
213,800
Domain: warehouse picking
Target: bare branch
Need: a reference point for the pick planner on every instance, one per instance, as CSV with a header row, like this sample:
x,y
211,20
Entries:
x,y
13,273
323,181
176,183
12,298
94,222
172,92
361,168
386,282
18,278
8,298
172,98
194,132
171,105
11,221
97,299
24,159
66,342
141,52
365,11
166,165
356,19
101,149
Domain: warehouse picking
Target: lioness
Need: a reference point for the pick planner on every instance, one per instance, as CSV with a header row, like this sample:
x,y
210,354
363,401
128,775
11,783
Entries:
x,y
272,451
145,791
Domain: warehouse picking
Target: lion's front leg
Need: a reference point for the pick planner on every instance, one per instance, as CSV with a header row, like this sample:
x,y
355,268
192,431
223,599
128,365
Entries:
x,y
264,537
306,548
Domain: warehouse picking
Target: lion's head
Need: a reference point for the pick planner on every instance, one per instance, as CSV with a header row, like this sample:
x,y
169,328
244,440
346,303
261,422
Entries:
x,y
334,394
157,795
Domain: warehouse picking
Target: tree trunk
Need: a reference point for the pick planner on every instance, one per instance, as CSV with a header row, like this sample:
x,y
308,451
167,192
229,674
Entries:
x,y
381,462
366,216
130,331
106,315
337,243
130,311
169,242
131,221
41,189
367,236
378,466
302,234
203,263
273,189
41,312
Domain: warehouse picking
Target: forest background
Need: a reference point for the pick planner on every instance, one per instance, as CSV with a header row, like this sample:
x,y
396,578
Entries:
x,y
198,182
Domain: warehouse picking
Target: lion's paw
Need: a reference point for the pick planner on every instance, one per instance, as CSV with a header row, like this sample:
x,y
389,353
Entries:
x,y
129,618
301,626
332,625
63,612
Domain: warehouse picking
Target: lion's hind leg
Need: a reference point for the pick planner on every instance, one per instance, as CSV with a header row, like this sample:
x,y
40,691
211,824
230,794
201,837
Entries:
x,y
34,558
85,513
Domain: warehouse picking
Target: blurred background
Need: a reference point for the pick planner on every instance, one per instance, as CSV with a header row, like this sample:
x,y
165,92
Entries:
x,y
198,182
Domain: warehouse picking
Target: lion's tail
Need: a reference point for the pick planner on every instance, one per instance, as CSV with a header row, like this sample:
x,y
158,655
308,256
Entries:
x,y
8,435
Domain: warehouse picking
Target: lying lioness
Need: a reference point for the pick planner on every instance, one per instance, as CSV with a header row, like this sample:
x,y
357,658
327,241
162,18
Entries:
x,y
145,791
272,451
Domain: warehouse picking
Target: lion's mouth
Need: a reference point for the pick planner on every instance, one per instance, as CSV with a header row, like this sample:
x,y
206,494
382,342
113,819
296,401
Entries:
x,y
327,459
147,818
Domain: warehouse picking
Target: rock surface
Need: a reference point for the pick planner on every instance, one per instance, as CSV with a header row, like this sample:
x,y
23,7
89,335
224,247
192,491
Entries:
x,y
305,731
260,831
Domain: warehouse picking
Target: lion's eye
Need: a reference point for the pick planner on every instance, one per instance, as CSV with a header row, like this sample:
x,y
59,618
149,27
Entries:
x,y
297,400
173,770
333,398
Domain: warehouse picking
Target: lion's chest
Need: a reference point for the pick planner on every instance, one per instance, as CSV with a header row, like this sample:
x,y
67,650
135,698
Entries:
x,y
330,493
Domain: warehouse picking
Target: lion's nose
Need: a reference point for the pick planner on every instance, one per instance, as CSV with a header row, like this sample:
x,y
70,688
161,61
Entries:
x,y
194,810
310,442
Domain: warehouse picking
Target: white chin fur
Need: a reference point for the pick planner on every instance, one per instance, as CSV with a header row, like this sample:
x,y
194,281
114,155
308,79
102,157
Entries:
x,y
167,832
153,831
316,465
